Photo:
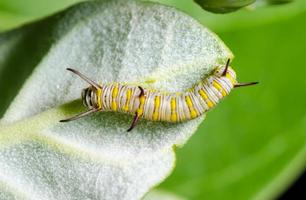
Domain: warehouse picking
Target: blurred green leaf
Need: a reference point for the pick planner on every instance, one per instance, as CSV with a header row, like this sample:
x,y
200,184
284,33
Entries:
x,y
94,157
253,145
279,1
14,13
223,6
249,17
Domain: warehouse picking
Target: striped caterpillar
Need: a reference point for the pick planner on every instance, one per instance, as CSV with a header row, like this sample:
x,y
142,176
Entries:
x,y
156,105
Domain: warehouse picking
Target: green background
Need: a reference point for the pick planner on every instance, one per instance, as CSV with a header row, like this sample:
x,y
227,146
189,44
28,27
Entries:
x,y
253,145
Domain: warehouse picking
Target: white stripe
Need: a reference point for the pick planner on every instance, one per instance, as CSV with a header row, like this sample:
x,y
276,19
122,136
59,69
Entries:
x,y
122,97
134,100
201,100
149,106
211,96
185,106
197,104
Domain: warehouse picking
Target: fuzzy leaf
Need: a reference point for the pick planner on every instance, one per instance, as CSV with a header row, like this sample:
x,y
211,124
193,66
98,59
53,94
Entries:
x,y
95,158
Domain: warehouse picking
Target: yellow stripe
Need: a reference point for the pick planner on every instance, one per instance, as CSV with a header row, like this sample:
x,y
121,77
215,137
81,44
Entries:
x,y
173,117
128,97
193,113
114,96
141,104
206,99
156,107
99,94
233,81
220,88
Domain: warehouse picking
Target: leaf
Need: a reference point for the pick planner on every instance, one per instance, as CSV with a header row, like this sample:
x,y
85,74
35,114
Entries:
x,y
260,148
254,15
95,158
16,13
279,1
161,195
223,6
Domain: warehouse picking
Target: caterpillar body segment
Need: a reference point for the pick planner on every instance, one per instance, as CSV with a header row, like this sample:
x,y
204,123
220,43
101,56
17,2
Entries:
x,y
156,105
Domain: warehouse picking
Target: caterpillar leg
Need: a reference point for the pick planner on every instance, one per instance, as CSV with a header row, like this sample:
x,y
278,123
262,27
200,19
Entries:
x,y
88,112
137,114
135,120
238,84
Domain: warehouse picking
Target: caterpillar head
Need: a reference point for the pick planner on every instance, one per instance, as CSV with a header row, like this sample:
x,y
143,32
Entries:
x,y
225,71
89,98
228,72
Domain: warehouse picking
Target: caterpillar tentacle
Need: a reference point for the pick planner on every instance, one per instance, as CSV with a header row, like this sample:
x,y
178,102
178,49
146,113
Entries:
x,y
138,112
159,106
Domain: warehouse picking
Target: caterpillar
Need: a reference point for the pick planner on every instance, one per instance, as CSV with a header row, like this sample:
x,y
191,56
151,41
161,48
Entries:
x,y
157,105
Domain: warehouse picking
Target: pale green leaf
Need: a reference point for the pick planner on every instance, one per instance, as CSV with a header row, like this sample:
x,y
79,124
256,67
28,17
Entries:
x,y
95,158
